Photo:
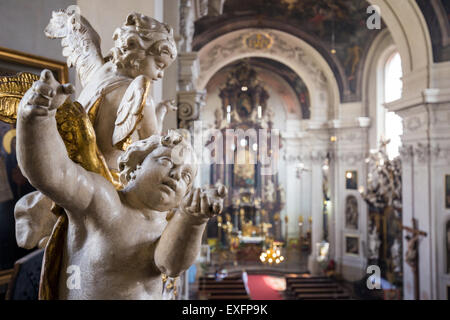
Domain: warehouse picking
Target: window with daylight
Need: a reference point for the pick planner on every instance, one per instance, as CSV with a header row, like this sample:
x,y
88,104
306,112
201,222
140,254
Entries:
x,y
393,91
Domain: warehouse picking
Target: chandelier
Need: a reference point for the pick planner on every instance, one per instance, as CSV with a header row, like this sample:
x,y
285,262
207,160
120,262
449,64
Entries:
x,y
272,255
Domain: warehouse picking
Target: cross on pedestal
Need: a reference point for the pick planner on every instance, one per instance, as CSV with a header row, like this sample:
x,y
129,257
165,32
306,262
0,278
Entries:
x,y
412,253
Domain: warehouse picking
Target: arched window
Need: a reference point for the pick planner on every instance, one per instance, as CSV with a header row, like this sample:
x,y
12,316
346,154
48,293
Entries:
x,y
393,127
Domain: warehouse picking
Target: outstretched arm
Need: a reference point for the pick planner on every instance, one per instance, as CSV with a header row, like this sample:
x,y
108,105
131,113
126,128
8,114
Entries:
x,y
41,153
180,242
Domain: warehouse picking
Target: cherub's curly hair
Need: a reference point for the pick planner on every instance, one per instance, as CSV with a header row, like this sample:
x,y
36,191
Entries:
x,y
138,37
130,161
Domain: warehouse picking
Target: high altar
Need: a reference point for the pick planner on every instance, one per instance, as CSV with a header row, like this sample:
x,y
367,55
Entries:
x,y
254,202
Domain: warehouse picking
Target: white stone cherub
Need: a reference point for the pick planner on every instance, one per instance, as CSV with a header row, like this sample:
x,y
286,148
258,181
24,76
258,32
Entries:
x,y
116,89
115,94
120,240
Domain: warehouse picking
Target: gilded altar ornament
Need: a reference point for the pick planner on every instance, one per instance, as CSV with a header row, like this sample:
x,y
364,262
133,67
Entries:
x,y
12,90
74,125
258,41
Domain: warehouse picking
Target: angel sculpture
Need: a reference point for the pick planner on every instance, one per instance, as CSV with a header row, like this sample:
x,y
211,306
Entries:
x,y
116,88
119,240
113,110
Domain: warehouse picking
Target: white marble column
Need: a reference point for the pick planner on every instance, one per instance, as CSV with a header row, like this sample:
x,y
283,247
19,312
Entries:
x,y
349,154
425,162
317,160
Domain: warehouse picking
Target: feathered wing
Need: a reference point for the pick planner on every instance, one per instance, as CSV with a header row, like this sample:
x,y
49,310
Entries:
x,y
80,42
12,90
130,110
73,123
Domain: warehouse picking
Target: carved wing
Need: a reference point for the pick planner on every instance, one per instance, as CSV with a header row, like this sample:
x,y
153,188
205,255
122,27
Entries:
x,y
78,135
74,125
80,42
12,90
130,111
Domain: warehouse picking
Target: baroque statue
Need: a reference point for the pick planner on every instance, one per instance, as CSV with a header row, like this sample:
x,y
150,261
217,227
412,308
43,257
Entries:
x,y
374,243
115,196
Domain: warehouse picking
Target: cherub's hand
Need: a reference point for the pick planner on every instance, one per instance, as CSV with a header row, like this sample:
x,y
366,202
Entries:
x,y
203,204
46,95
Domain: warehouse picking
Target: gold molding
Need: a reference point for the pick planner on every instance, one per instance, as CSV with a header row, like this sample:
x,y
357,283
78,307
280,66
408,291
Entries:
x,y
60,68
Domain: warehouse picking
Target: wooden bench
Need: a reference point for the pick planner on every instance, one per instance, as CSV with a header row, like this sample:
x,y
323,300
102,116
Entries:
x,y
220,281
229,297
308,280
229,288
329,286
317,292
323,296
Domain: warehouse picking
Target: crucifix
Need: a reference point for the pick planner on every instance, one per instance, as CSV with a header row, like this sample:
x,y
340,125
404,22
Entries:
x,y
412,253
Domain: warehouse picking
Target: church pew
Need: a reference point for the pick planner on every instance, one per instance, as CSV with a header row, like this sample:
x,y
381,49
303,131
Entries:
x,y
328,286
298,292
223,291
314,288
224,285
221,281
323,296
308,280
213,278
218,284
223,295
229,298
293,290
309,285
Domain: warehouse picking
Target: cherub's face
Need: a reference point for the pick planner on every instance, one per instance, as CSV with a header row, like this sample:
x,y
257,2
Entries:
x,y
153,66
160,183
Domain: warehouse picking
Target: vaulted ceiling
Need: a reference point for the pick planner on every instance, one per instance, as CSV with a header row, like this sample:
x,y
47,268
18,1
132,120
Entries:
x,y
335,28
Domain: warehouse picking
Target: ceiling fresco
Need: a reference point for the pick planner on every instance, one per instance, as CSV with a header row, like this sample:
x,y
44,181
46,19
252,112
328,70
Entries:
x,y
437,15
337,29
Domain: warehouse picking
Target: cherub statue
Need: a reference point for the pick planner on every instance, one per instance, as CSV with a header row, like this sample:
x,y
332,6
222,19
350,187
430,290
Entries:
x,y
113,110
116,89
115,96
119,240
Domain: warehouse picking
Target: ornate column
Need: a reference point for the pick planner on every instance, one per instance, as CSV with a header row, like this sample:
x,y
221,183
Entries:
x,y
190,100
317,160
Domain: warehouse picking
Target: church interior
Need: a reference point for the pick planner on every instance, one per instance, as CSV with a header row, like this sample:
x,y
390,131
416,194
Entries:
x,y
346,101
